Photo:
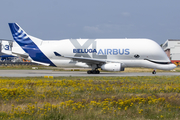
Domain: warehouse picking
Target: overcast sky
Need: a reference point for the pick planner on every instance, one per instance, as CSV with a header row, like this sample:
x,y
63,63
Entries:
x,y
158,20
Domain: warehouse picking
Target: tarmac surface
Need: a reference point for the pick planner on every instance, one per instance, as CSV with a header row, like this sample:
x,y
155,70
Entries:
x,y
42,73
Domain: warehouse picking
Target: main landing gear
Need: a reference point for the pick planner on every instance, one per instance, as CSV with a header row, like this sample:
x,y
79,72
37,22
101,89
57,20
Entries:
x,y
154,72
93,72
94,69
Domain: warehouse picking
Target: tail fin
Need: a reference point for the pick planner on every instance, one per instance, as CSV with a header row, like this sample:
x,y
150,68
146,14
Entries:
x,y
29,44
6,47
21,37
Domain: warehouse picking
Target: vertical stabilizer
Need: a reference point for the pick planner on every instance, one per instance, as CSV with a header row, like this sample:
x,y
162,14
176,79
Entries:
x,y
29,44
21,37
6,47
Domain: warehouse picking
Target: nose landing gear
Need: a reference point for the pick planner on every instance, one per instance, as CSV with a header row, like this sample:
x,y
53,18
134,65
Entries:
x,y
154,72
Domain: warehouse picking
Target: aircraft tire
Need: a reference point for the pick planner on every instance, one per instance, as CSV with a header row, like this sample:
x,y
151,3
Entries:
x,y
97,72
89,72
154,72
93,72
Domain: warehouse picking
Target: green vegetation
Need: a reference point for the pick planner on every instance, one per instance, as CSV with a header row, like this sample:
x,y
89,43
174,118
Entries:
x,y
24,67
83,98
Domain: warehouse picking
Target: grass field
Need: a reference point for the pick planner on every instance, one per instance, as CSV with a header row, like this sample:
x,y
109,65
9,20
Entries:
x,y
80,98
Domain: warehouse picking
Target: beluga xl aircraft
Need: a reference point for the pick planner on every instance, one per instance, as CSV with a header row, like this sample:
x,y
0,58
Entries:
x,y
107,54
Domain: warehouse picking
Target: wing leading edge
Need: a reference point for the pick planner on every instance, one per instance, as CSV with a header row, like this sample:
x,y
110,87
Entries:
x,y
88,61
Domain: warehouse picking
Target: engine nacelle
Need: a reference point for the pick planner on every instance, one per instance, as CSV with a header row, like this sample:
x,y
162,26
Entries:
x,y
112,67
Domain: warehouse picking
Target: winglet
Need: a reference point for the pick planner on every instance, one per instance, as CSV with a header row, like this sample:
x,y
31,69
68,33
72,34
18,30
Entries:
x,y
57,54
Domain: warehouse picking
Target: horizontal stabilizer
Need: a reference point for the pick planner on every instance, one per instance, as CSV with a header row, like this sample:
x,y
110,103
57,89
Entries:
x,y
25,55
41,63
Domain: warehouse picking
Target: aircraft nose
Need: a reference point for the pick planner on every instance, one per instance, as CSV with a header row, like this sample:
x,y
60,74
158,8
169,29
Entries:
x,y
172,66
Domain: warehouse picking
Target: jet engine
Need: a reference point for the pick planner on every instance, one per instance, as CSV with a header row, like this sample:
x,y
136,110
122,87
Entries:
x,y
112,67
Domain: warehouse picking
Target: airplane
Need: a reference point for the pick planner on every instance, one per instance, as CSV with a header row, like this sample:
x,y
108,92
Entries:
x,y
107,54
6,57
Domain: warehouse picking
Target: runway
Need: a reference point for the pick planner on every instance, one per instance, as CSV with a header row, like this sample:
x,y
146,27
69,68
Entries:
x,y
41,73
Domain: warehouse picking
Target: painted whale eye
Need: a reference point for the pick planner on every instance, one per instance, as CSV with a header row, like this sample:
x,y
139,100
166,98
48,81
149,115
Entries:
x,y
136,56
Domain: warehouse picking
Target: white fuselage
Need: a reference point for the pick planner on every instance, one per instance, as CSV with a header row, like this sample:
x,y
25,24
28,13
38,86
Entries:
x,y
111,50
107,54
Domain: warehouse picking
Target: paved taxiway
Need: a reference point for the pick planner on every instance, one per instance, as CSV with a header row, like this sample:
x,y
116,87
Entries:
x,y
39,73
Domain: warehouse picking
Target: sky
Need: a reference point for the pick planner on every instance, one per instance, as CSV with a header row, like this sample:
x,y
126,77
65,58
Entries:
x,y
158,20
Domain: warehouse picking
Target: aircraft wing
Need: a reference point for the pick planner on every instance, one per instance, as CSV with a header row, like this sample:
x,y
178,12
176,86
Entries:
x,y
88,61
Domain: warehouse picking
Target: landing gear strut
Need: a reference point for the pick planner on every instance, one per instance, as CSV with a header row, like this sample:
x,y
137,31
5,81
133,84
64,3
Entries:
x,y
93,72
154,72
94,69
